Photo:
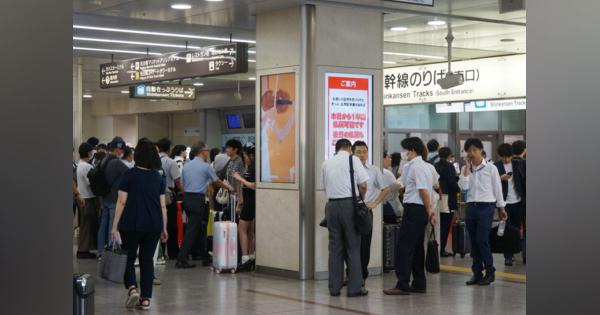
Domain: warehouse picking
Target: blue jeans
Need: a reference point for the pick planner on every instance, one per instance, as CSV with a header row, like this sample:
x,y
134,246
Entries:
x,y
479,223
106,221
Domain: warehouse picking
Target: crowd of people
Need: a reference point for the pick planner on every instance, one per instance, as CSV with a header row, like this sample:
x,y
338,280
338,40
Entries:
x,y
416,186
130,196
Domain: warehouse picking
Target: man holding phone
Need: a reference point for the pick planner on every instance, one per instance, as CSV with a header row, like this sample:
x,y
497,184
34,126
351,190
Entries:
x,y
482,181
512,176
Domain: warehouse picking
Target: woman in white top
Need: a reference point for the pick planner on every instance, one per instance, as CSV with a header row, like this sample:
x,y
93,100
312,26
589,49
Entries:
x,y
179,155
392,207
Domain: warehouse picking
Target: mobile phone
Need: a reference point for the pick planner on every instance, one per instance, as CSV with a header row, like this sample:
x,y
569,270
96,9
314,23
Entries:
x,y
509,173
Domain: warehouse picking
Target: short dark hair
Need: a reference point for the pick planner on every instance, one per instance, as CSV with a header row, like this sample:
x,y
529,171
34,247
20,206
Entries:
x,y
359,143
519,147
93,141
473,142
505,150
164,144
413,144
385,154
433,145
396,158
127,152
213,153
102,146
177,150
342,144
445,153
146,156
234,144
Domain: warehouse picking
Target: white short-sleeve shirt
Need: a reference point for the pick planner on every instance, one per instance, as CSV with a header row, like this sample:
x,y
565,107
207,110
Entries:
x,y
336,175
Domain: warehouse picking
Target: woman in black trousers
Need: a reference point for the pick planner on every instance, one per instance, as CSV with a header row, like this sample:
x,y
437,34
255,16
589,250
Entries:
x,y
140,220
449,187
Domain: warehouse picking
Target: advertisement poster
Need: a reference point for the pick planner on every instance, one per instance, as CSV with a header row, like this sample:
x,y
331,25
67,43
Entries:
x,y
349,106
278,128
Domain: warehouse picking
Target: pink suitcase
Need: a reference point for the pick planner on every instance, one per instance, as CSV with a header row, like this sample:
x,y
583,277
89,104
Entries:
x,y
225,243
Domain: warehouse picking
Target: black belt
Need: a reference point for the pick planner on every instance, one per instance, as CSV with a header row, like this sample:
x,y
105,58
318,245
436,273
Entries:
x,y
477,204
194,194
340,199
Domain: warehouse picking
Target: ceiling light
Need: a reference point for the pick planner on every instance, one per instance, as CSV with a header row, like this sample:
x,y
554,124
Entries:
x,y
128,42
198,84
251,51
436,23
251,60
140,32
252,78
134,52
389,62
214,0
413,55
124,92
87,96
399,29
507,40
181,6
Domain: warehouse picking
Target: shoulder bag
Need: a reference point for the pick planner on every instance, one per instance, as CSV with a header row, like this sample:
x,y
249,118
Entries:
x,y
362,217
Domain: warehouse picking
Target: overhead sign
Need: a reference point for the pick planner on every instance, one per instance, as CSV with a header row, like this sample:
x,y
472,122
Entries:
x,y
494,105
192,132
163,91
486,78
207,61
349,106
446,108
420,2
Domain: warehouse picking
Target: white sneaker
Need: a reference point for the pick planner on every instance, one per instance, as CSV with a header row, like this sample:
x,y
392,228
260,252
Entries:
x,y
161,261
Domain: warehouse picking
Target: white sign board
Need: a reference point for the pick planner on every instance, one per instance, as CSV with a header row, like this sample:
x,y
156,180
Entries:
x,y
486,78
192,132
494,105
445,108
349,106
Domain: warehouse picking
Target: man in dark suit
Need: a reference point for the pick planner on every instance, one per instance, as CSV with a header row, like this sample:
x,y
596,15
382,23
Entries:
x,y
449,186
512,175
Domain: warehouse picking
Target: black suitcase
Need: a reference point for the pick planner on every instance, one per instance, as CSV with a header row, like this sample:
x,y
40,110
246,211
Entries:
x,y
390,233
460,239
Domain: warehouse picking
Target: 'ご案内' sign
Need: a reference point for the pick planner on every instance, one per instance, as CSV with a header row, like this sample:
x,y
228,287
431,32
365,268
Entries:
x,y
349,105
486,78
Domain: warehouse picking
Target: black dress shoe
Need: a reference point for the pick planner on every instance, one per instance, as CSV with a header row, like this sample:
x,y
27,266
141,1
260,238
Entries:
x,y
417,290
86,255
335,294
487,279
363,292
445,254
474,280
508,262
184,265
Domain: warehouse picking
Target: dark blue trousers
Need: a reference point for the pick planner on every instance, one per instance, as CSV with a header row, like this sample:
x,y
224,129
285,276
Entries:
x,y
479,220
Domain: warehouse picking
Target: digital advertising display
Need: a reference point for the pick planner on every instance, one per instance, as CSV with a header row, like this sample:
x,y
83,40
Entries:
x,y
278,128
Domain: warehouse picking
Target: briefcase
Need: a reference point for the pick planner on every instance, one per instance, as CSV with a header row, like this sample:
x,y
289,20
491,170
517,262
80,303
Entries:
x,y
509,243
432,260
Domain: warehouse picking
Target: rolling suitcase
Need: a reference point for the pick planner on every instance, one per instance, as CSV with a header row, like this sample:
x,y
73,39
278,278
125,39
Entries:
x,y
225,242
390,233
460,239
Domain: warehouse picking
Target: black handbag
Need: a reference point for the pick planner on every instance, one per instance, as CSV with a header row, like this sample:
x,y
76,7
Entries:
x,y
432,260
509,243
362,217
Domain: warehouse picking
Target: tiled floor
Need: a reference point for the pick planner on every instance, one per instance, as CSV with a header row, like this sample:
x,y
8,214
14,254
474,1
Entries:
x,y
199,291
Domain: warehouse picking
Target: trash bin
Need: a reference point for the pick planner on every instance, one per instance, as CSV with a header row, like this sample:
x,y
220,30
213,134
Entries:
x,y
83,294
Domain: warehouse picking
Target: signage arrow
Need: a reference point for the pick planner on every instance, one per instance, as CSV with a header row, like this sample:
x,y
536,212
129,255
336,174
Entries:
x,y
189,92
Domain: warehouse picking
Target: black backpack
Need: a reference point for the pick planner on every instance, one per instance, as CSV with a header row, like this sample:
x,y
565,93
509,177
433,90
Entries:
x,y
98,183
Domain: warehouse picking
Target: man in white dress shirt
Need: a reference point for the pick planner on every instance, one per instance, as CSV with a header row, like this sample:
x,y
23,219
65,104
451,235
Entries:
x,y
417,179
344,239
484,193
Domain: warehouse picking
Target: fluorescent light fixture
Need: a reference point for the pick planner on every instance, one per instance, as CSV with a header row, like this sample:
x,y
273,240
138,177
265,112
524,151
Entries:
x,y
214,0
120,51
436,23
251,60
252,78
252,51
181,6
87,96
198,84
129,42
125,92
141,32
389,62
398,28
413,55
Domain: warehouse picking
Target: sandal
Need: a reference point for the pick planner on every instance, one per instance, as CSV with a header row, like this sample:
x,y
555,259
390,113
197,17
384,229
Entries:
x,y
143,304
133,297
